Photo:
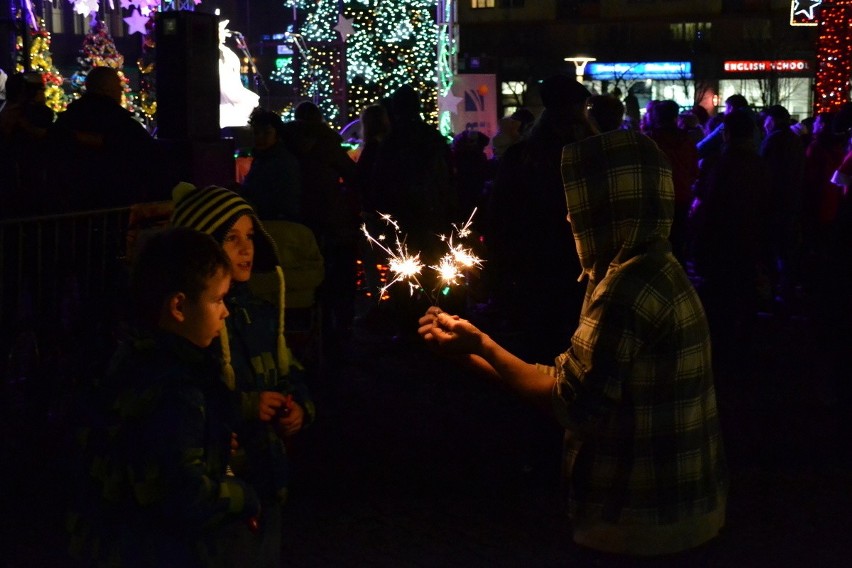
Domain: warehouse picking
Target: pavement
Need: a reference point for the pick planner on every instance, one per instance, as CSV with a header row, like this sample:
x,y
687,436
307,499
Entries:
x,y
414,462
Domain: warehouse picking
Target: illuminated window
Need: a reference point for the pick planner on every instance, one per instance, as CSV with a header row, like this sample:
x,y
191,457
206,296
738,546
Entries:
x,y
690,31
481,3
53,18
513,88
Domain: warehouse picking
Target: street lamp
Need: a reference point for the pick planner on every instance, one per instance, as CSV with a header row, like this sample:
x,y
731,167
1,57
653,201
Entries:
x,y
580,65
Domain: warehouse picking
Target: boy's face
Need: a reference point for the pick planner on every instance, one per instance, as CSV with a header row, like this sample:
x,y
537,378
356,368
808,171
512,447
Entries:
x,y
239,246
204,317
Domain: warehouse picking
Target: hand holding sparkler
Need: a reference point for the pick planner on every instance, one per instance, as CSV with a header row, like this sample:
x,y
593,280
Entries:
x,y
450,334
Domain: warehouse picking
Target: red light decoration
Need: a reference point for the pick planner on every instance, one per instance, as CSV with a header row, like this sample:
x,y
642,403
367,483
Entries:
x,y
834,56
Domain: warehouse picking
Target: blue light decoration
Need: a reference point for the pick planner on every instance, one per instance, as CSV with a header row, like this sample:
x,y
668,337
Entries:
x,y
673,70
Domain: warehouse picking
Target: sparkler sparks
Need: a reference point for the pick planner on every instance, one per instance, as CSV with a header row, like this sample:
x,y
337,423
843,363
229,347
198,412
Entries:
x,y
403,265
406,266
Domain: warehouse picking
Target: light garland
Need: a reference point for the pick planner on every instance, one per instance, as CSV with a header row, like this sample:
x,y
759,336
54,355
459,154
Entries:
x,y
834,57
392,44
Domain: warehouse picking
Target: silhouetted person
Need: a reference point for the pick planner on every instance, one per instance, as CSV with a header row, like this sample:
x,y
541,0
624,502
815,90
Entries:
x,y
679,148
413,172
472,169
273,183
822,198
605,112
24,123
730,235
100,147
785,157
711,144
529,254
330,208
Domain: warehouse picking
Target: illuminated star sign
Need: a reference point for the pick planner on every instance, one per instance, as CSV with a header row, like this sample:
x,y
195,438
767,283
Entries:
x,y
136,23
448,102
803,12
344,27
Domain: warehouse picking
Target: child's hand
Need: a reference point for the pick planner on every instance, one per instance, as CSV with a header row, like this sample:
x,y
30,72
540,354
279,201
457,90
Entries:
x,y
270,403
235,444
290,418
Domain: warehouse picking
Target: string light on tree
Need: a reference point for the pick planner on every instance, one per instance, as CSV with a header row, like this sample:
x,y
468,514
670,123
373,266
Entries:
x,y
391,44
834,56
41,61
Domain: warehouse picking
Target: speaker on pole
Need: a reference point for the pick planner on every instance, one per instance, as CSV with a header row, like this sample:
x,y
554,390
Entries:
x,y
187,75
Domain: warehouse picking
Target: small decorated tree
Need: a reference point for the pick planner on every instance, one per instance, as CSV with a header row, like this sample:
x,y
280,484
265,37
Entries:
x,y
41,61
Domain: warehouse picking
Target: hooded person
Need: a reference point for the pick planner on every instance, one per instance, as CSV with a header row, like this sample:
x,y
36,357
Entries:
x,y
256,362
634,392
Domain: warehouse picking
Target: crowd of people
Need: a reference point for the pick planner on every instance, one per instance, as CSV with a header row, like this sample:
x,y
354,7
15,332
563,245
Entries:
x,y
683,226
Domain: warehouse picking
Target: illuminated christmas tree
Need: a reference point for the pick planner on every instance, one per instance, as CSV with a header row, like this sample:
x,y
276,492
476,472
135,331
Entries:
x,y
98,51
834,56
41,61
360,51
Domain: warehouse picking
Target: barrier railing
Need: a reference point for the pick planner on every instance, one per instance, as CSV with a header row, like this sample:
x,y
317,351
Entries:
x,y
59,275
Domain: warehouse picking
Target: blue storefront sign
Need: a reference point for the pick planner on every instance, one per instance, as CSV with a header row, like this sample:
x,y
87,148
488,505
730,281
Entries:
x,y
636,71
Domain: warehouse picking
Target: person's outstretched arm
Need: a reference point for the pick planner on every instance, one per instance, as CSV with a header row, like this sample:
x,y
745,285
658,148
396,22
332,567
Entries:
x,y
458,338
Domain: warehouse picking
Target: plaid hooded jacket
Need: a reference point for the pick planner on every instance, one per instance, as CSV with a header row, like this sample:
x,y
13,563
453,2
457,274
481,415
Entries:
x,y
643,450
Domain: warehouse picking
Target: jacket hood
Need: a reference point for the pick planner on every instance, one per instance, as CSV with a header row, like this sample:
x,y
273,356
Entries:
x,y
618,187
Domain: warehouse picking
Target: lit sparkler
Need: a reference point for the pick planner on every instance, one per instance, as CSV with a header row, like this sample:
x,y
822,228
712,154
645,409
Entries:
x,y
407,266
404,266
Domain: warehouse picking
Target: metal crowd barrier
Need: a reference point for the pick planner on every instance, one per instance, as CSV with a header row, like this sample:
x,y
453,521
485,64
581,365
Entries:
x,y
60,278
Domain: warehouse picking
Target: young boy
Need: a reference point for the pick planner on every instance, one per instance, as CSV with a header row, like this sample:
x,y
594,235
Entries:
x,y
256,361
157,448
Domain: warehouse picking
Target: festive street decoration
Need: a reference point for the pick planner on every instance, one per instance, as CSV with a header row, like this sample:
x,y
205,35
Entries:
x,y
142,7
804,12
834,56
447,65
41,61
360,51
98,50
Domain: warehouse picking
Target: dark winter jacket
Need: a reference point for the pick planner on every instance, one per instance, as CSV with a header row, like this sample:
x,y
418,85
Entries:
x,y
156,446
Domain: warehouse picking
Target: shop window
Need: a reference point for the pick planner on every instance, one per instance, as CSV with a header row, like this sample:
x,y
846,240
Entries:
x,y
481,4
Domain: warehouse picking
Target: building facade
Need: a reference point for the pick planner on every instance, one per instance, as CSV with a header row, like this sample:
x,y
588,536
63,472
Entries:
x,y
709,49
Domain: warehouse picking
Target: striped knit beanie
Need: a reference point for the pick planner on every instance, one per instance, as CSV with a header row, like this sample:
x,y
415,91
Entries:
x,y
214,210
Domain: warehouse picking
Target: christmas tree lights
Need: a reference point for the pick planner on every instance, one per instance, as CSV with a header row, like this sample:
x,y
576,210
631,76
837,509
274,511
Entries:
x,y
834,56
391,44
41,61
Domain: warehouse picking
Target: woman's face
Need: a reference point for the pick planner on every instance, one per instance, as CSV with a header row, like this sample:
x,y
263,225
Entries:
x,y
239,245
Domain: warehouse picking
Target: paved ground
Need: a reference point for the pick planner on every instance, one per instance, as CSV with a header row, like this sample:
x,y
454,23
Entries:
x,y
421,465
414,463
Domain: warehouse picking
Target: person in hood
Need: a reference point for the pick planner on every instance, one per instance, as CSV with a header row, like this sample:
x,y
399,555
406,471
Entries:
x,y
634,391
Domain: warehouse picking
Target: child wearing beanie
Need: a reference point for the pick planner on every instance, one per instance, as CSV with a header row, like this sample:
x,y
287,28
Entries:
x,y
275,403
